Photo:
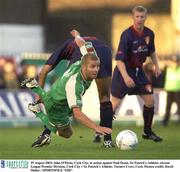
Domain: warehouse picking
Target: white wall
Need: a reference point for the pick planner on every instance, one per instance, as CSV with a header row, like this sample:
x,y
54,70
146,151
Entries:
x,y
21,38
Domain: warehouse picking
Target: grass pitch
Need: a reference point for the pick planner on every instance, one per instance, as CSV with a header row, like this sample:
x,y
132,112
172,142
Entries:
x,y
15,143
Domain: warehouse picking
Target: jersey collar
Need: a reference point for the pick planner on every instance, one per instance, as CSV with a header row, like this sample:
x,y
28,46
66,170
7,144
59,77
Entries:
x,y
140,34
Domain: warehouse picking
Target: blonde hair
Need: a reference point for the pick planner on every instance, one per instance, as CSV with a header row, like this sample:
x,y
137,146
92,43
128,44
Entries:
x,y
139,8
89,56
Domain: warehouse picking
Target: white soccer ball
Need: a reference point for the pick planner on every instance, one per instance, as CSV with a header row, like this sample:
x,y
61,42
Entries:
x,y
126,140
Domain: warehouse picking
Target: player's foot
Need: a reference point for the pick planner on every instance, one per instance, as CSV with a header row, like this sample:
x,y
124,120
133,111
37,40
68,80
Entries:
x,y
152,136
42,140
34,107
97,138
29,83
108,144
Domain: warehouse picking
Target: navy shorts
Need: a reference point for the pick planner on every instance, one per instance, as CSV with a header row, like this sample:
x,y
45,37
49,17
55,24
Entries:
x,y
119,88
105,55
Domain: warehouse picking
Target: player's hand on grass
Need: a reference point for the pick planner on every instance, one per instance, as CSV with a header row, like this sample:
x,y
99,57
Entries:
x,y
129,82
103,130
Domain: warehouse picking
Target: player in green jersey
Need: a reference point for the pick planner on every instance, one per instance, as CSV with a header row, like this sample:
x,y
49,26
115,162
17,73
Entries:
x,y
65,97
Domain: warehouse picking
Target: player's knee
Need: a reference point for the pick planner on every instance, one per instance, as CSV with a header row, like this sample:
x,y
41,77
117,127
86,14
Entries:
x,y
150,103
103,87
104,98
68,134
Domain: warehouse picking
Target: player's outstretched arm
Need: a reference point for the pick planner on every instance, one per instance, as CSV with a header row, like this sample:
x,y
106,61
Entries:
x,y
43,74
42,77
157,70
78,39
82,118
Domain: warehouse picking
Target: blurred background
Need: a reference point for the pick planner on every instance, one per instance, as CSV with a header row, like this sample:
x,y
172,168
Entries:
x,y
31,30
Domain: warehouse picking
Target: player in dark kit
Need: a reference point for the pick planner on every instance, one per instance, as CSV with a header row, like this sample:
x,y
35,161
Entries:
x,y
136,43
71,52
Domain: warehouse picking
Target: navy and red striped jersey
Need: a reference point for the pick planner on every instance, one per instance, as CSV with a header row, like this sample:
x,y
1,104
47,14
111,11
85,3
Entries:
x,y
134,47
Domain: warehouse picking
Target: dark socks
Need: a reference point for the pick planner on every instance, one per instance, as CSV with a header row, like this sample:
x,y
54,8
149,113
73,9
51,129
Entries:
x,y
148,114
106,116
46,131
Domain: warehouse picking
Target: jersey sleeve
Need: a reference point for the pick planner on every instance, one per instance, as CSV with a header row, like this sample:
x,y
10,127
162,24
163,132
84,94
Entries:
x,y
151,44
122,48
61,53
74,92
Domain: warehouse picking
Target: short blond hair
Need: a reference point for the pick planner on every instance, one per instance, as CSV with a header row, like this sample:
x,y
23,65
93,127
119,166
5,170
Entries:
x,y
139,8
88,57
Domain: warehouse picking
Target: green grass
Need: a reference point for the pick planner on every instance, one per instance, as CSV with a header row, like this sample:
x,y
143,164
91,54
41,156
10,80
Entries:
x,y
15,143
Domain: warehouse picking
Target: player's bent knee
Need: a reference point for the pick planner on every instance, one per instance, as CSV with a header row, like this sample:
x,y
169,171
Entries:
x,y
64,133
68,134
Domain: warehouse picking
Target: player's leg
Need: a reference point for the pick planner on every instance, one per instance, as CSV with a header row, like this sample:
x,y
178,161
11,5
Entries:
x,y
103,82
178,104
44,118
116,102
29,83
118,89
148,114
32,84
169,101
106,111
57,120
42,139
46,131
148,111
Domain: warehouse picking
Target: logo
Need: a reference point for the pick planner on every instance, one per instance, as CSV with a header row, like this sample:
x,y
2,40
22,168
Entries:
x,y
135,42
2,164
14,164
141,48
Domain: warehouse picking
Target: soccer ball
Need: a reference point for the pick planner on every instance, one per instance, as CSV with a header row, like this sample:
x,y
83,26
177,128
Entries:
x,y
126,140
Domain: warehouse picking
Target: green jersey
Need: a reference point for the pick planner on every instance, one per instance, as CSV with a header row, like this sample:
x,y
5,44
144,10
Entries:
x,y
66,93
